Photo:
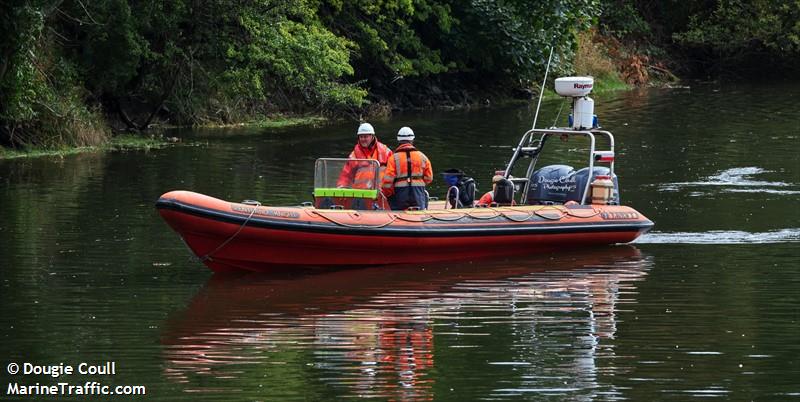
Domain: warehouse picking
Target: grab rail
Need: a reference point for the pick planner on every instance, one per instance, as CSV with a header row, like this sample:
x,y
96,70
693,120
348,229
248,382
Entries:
x,y
534,152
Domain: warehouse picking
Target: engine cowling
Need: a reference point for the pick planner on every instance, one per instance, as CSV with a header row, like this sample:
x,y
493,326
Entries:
x,y
557,184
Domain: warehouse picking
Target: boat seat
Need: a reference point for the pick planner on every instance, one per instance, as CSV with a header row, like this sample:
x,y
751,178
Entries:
x,y
504,193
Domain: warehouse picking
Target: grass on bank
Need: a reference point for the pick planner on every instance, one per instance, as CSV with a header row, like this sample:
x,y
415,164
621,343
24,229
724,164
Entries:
x,y
592,58
119,143
145,142
274,122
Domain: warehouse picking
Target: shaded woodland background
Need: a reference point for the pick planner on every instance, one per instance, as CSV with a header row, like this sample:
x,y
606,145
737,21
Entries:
x,y
74,72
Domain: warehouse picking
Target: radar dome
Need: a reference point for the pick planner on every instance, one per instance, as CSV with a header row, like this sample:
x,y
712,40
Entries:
x,y
574,86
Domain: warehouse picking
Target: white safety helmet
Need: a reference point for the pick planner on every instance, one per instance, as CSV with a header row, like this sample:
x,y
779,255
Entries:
x,y
365,128
405,134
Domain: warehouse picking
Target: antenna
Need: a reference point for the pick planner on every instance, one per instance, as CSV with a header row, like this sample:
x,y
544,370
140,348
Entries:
x,y
541,90
517,150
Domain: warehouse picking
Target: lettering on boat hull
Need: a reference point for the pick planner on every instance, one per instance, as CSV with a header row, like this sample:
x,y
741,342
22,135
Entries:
x,y
265,212
619,215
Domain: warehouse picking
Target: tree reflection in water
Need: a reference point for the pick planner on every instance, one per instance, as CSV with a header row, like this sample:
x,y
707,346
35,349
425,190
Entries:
x,y
393,332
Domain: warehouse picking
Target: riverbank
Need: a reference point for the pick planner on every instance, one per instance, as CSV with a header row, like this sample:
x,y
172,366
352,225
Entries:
x,y
156,138
614,67
159,136
119,143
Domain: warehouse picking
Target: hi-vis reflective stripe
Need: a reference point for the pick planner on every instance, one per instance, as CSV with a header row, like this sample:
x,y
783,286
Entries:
x,y
425,166
409,179
397,164
417,182
414,177
387,180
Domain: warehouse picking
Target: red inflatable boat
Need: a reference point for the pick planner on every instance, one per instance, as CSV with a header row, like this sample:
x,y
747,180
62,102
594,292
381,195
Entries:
x,y
550,208
234,236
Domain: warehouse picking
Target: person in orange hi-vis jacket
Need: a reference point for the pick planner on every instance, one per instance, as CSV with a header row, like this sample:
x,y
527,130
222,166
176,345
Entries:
x,y
408,171
361,175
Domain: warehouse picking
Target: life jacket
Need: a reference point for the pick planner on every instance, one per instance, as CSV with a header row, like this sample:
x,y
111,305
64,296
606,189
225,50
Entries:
x,y
363,176
360,174
411,168
487,198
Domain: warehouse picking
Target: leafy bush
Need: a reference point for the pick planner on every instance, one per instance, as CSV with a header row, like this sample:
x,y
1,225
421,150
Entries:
x,y
737,31
43,101
710,37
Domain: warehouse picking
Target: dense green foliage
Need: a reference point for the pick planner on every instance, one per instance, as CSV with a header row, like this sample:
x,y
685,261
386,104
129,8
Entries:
x,y
42,100
184,61
218,61
69,68
423,38
429,52
748,38
212,60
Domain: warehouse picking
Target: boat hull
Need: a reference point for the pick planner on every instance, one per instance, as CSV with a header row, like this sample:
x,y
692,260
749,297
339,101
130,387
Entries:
x,y
231,236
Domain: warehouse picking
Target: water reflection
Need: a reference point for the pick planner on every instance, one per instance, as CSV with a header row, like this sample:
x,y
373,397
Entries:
x,y
540,325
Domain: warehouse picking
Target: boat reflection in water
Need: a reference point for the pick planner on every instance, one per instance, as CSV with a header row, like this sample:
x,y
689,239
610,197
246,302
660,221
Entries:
x,y
537,324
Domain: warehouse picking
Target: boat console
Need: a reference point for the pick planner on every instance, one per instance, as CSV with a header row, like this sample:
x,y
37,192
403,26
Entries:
x,y
341,183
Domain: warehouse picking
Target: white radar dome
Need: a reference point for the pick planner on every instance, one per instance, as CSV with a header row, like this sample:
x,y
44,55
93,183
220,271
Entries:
x,y
574,86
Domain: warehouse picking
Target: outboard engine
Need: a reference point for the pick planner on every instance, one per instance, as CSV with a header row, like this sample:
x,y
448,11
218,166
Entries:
x,y
551,185
557,184
582,176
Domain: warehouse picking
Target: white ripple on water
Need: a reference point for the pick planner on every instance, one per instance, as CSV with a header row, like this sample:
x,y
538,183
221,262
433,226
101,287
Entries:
x,y
713,391
790,235
738,178
537,390
510,363
761,190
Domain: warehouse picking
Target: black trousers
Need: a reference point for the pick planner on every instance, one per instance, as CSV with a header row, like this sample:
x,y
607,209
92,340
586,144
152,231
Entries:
x,y
412,196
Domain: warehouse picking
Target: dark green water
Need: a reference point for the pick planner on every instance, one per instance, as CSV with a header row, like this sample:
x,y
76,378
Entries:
x,y
706,305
